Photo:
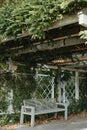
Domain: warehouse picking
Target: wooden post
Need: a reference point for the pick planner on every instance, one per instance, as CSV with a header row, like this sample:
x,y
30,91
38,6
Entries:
x,y
58,87
9,64
10,109
52,87
59,84
32,117
22,116
76,85
64,91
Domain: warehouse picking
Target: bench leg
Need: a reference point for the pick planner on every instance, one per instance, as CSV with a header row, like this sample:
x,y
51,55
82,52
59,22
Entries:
x,y
22,116
55,115
32,120
66,114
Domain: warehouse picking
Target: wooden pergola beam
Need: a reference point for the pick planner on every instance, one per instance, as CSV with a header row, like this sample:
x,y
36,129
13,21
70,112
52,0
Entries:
x,y
69,60
55,45
65,68
66,21
74,69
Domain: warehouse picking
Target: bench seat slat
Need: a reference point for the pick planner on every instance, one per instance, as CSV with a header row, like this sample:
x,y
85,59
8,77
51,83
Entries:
x,y
49,111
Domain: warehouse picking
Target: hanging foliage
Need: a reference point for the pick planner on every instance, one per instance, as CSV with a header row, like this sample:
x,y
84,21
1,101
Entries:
x,y
34,17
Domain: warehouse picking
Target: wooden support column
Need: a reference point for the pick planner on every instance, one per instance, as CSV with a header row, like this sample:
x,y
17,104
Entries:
x,y
9,64
64,91
52,87
59,83
10,109
76,85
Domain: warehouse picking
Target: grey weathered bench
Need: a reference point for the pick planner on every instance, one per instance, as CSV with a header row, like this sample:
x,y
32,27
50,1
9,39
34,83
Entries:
x,y
34,107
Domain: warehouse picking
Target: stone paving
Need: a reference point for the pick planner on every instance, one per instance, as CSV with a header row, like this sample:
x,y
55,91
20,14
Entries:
x,y
72,124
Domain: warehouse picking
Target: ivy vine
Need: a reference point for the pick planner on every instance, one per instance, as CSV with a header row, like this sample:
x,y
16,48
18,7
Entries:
x,y
34,17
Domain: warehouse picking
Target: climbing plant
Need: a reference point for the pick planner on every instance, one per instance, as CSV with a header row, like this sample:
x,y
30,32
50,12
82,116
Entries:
x,y
22,84
34,17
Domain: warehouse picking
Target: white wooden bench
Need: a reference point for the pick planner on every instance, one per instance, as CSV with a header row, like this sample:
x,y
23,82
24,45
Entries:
x,y
34,107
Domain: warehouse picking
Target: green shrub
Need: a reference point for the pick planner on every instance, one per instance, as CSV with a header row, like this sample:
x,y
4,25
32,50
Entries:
x,y
77,106
9,119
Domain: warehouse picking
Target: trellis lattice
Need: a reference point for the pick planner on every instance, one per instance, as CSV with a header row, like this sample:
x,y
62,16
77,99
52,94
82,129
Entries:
x,y
70,89
83,87
45,86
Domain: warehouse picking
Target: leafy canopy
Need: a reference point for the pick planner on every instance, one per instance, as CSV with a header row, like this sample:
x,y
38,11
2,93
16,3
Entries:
x,y
33,16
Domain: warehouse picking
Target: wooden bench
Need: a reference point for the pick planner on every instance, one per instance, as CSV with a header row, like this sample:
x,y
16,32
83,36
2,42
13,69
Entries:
x,y
34,107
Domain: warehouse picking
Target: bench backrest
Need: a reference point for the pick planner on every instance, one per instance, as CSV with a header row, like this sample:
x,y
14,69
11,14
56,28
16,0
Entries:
x,y
41,104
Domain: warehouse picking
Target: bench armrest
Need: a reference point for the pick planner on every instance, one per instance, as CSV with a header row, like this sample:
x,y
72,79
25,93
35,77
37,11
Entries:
x,y
30,107
65,105
62,104
27,109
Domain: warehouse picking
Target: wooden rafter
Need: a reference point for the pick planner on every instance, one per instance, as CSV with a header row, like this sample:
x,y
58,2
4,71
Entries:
x,y
69,60
55,67
74,69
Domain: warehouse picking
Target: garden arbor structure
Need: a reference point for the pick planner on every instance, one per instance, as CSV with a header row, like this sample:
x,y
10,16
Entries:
x,y
62,48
